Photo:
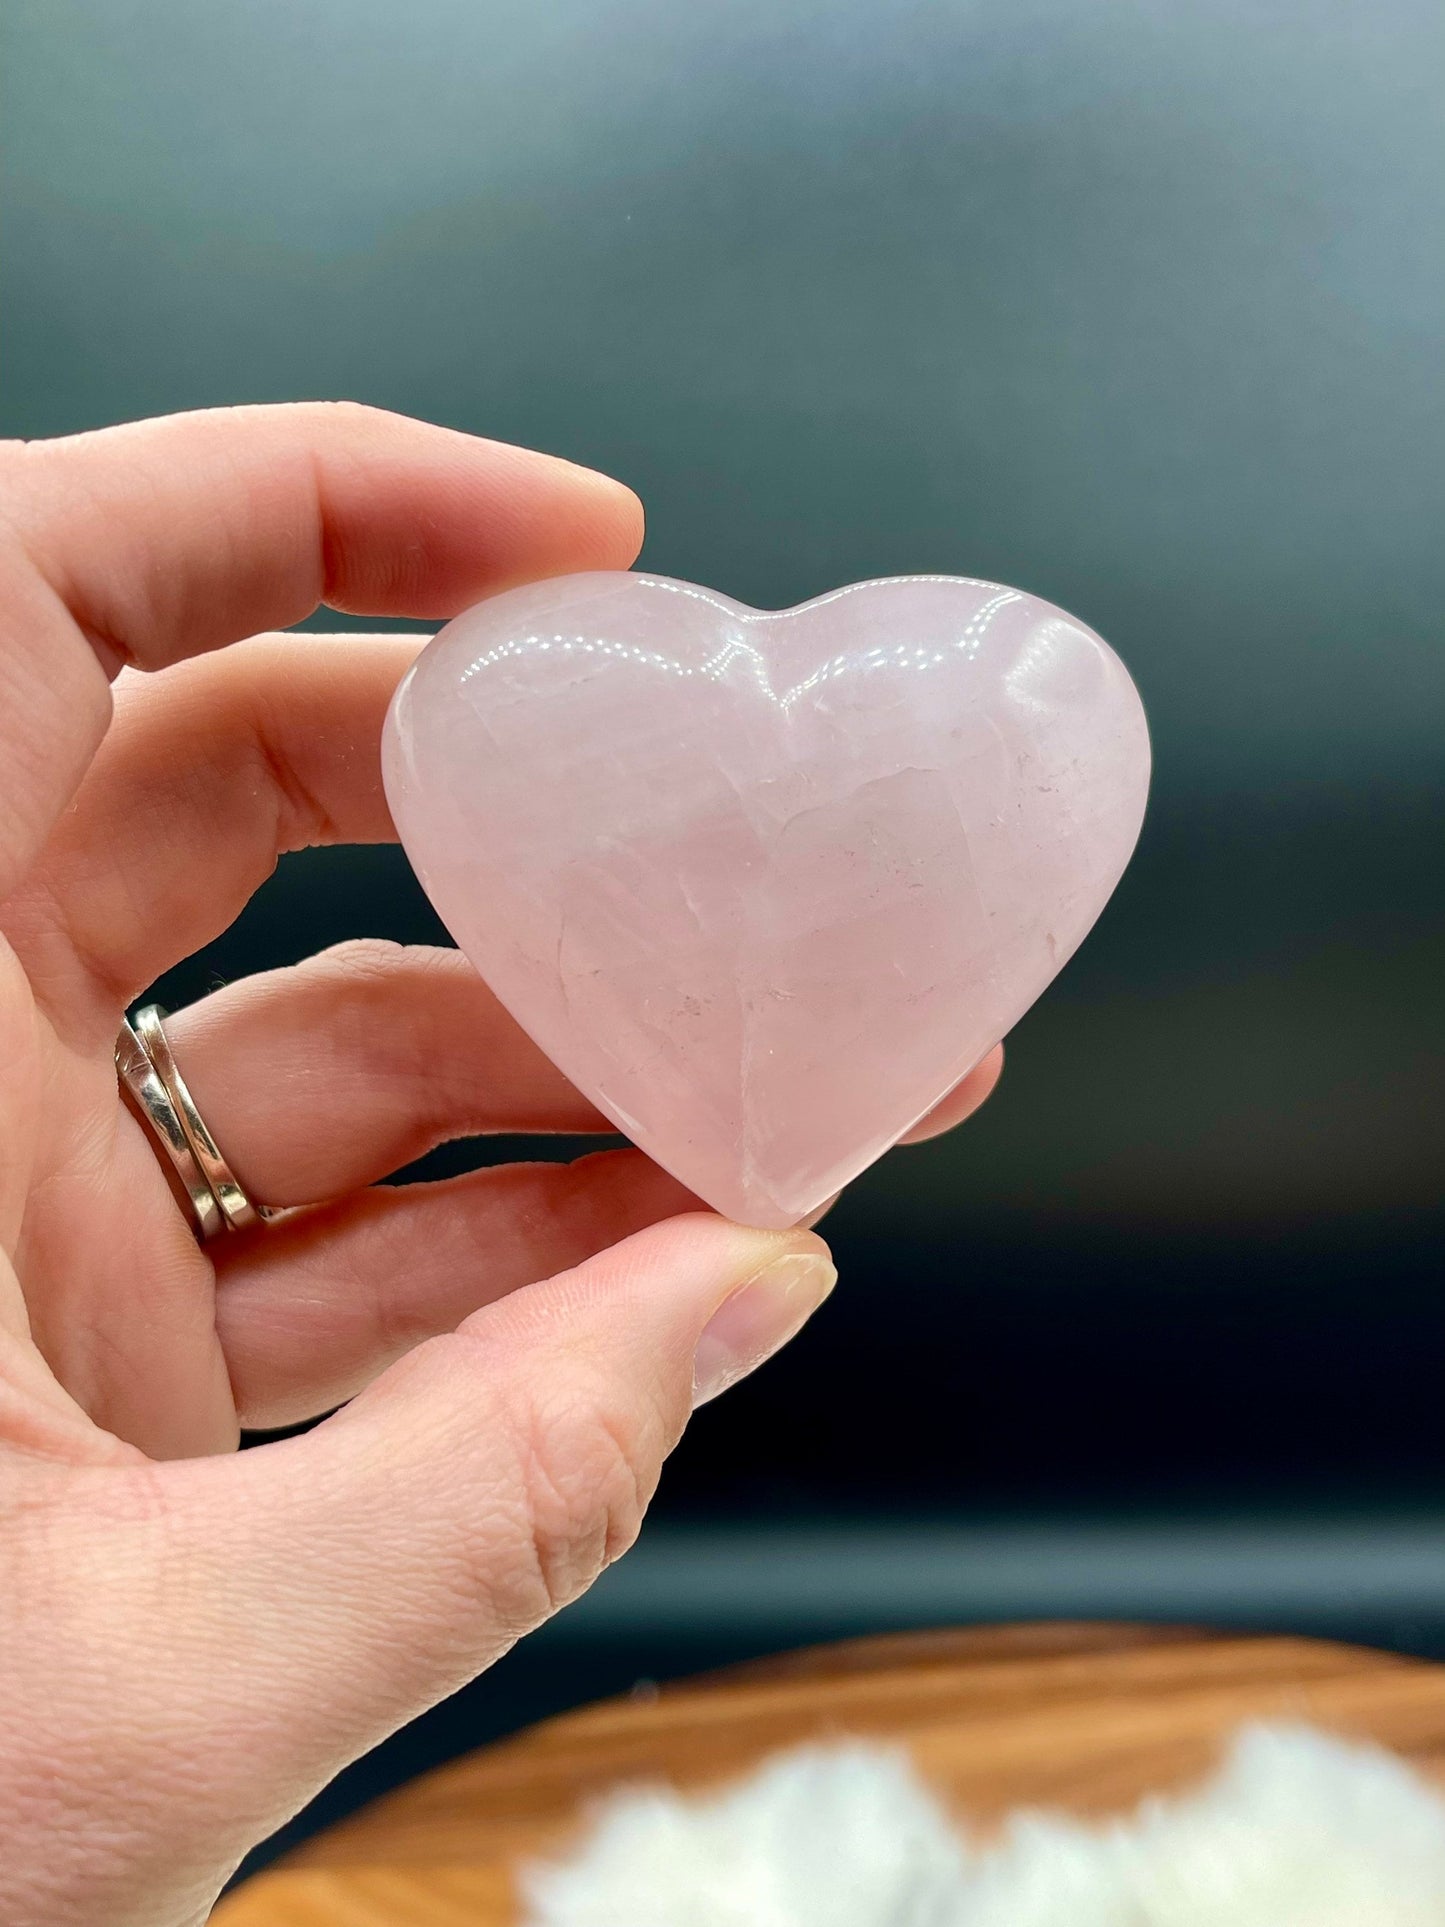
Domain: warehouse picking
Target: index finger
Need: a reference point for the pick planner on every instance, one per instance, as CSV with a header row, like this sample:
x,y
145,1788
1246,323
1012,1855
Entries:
x,y
161,539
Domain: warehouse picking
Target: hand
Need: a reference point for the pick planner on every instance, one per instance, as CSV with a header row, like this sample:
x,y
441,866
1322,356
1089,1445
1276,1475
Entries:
x,y
195,1641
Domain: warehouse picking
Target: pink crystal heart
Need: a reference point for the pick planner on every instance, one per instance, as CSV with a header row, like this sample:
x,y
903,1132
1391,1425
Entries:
x,y
766,884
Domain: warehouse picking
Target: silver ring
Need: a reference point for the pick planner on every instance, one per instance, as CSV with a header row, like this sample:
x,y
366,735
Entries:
x,y
236,1207
148,1069
141,1078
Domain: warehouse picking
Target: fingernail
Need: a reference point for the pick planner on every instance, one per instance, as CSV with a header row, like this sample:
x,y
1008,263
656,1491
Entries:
x,y
759,1319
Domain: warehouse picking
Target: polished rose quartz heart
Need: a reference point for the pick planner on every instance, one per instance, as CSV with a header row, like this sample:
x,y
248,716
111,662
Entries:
x,y
764,884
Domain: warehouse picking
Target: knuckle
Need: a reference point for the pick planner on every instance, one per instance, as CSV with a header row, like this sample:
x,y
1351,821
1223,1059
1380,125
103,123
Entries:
x,y
365,962
346,412
586,1468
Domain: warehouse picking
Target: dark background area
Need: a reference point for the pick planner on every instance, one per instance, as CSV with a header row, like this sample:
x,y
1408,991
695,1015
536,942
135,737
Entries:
x,y
1137,304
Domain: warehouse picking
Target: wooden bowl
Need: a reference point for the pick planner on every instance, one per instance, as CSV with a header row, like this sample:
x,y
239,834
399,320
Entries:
x,y
1086,1719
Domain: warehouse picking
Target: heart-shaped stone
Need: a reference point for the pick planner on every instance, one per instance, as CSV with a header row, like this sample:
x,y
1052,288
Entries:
x,y
765,884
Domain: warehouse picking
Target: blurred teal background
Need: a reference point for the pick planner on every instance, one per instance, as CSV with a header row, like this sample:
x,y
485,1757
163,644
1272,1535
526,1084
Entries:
x,y
1137,304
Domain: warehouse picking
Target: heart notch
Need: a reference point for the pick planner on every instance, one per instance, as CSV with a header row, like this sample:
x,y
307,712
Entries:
x,y
766,884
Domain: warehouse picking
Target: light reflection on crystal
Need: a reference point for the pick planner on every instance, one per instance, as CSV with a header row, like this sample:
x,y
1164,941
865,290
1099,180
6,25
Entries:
x,y
753,662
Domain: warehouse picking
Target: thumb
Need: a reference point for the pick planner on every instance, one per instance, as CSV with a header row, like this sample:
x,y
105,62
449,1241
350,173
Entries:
x,y
489,1477
315,1593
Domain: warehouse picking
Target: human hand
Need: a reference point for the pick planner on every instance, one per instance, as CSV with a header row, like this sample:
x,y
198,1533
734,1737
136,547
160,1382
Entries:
x,y
196,1641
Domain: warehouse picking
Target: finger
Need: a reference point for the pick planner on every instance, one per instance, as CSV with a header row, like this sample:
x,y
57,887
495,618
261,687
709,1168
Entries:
x,y
162,539
209,772
321,1078
348,1579
962,1101
313,1310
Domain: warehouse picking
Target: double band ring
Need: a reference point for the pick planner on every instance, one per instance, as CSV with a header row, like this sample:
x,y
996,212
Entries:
x,y
147,1069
